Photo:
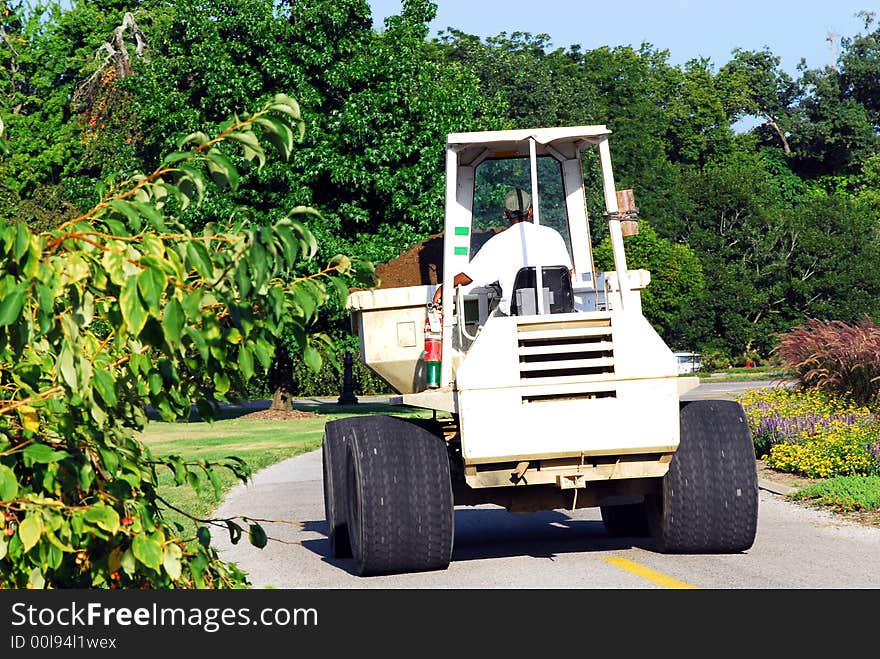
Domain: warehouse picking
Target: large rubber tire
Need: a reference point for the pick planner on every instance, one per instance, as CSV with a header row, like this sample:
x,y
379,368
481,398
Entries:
x,y
628,520
400,503
334,454
709,499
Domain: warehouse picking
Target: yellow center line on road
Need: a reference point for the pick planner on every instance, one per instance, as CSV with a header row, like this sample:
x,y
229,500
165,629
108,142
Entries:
x,y
647,573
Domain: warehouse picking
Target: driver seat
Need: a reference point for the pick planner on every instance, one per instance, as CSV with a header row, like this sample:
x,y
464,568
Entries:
x,y
558,292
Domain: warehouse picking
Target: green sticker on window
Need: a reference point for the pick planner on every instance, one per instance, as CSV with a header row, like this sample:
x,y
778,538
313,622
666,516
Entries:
x,y
461,251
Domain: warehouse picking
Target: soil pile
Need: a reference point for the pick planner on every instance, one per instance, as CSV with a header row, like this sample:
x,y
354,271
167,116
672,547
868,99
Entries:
x,y
422,263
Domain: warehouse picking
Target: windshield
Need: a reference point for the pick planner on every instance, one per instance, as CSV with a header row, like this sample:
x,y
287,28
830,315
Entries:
x,y
494,178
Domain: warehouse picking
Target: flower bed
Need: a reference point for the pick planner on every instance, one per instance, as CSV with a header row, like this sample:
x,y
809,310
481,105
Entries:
x,y
807,432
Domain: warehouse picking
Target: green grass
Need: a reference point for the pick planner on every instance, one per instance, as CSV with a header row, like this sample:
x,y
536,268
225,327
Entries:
x,y
843,493
745,375
259,442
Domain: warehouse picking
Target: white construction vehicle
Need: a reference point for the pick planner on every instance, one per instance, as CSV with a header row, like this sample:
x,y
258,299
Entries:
x,y
573,401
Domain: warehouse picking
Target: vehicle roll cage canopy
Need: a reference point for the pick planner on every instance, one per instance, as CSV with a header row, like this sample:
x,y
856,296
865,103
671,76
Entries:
x,y
465,151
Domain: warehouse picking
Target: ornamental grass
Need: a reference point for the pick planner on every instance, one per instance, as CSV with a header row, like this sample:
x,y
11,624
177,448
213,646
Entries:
x,y
836,357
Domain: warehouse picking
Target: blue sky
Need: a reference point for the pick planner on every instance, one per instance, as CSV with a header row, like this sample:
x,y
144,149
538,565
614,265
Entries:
x,y
687,29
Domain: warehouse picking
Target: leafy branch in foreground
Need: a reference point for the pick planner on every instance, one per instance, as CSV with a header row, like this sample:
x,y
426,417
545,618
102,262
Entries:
x,y
123,308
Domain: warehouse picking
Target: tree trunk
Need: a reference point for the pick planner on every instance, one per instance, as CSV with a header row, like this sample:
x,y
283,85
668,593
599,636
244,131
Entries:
x,y
280,379
785,145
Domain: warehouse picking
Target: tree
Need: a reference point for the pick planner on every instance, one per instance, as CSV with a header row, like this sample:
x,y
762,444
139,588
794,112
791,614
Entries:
x,y
533,84
671,301
741,230
46,48
633,88
378,113
832,132
860,69
754,85
123,307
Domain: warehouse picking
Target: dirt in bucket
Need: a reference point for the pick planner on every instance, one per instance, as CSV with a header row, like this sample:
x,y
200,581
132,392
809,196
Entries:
x,y
422,263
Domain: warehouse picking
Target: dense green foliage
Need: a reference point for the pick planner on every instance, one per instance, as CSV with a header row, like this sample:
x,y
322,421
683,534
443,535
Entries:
x,y
781,218
121,308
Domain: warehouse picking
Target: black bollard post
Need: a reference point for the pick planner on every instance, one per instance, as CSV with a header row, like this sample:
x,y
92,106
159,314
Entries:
x,y
347,397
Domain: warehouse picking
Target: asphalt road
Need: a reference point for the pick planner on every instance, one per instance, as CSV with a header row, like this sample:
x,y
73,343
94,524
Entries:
x,y
795,547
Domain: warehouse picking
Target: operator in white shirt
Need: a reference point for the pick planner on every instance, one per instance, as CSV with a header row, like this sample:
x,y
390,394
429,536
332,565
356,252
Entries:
x,y
522,244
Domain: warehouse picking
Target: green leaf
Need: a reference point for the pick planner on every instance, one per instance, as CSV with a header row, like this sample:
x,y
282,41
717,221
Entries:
x,y
257,536
147,551
172,322
246,363
265,352
215,482
3,547
204,536
105,385
198,137
42,454
153,215
199,259
8,484
133,311
103,516
110,458
286,104
126,209
199,342
11,304
66,368
155,382
177,156
234,532
312,358
151,284
192,304
278,133
192,182
222,170
245,137
36,580
171,560
221,382
22,241
250,146
341,288
179,472
57,542
30,530
127,562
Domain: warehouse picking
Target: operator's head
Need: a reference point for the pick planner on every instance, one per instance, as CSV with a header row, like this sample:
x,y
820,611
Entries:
x,y
517,205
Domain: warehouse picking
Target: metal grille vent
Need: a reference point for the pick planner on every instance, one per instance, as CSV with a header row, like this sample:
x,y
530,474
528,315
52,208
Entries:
x,y
567,353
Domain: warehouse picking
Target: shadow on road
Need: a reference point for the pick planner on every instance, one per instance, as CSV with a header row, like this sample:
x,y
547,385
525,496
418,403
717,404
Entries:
x,y
488,532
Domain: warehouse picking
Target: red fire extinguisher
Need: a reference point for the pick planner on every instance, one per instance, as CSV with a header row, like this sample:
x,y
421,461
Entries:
x,y
433,344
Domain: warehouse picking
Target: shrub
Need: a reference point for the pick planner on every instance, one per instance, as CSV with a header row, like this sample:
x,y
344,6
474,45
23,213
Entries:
x,y
123,308
836,357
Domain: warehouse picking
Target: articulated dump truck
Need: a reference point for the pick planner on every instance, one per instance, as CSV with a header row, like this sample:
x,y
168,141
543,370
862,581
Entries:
x,y
574,401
